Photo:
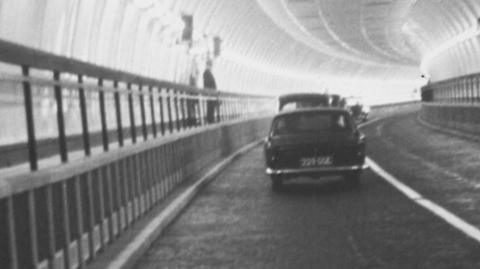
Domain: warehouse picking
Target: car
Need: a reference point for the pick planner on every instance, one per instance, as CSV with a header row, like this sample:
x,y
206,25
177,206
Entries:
x,y
302,100
358,108
314,142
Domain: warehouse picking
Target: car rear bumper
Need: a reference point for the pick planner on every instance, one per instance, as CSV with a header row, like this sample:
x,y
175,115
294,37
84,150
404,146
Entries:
x,y
316,170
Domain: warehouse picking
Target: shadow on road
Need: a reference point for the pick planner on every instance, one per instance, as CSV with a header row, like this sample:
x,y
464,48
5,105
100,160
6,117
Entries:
x,y
323,186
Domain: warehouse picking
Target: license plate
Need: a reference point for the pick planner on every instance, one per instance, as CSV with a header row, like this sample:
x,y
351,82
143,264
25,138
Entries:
x,y
316,161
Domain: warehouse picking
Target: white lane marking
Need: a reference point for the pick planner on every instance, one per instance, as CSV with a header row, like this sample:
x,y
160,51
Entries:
x,y
410,193
370,122
441,212
430,165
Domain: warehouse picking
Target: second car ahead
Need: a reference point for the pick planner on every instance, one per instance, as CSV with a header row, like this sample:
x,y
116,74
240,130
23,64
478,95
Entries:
x,y
314,142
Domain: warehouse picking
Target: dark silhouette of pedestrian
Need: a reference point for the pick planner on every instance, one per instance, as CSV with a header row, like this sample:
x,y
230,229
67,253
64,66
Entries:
x,y
209,83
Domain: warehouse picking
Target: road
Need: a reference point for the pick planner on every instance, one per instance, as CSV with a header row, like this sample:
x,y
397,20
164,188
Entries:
x,y
237,221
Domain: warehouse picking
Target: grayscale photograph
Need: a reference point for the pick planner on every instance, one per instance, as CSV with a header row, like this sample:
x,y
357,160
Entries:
x,y
281,134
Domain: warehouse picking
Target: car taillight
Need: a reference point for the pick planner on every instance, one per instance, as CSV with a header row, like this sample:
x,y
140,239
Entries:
x,y
268,144
272,155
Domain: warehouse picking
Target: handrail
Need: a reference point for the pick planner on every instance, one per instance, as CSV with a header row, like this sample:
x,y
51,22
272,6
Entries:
x,y
13,53
154,106
11,184
61,216
462,89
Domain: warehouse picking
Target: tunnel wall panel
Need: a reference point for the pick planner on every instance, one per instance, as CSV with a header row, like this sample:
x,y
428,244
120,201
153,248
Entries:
x,y
463,118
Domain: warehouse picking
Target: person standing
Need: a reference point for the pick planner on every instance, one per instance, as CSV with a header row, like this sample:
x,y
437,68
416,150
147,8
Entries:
x,y
209,83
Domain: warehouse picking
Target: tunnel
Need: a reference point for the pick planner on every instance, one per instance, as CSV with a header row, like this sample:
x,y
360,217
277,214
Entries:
x,y
132,133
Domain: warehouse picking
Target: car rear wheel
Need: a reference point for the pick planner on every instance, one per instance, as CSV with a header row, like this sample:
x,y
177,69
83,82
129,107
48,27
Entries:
x,y
277,183
353,179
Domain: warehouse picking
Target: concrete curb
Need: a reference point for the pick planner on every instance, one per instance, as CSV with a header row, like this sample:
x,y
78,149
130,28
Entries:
x,y
448,130
135,249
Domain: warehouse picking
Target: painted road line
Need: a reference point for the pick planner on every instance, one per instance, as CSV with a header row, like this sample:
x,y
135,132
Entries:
x,y
371,121
441,212
410,193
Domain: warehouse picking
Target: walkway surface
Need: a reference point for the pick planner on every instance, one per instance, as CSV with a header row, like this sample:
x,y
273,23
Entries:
x,y
237,221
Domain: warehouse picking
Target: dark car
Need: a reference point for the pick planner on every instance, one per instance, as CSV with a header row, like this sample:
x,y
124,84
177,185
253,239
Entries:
x,y
358,108
303,100
314,142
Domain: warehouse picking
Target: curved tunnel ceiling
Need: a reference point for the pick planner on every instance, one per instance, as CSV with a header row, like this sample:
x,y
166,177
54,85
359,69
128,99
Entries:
x,y
317,38
268,46
379,39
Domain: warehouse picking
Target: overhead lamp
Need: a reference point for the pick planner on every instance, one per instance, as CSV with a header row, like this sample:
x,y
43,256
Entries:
x,y
217,46
187,33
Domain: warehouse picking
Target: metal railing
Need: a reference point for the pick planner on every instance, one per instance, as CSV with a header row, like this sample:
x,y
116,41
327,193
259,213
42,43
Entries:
x,y
453,103
120,106
464,89
61,216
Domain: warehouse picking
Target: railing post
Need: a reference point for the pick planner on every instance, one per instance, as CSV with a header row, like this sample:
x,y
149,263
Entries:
x,y
152,111
235,108
200,101
62,139
117,185
188,111
12,238
83,115
101,206
175,103
126,192
103,115
33,227
50,222
134,178
222,109
205,100
142,112
66,223
91,215
169,110
139,173
451,92
228,109
472,90
133,131
184,112
118,110
181,114
217,107
28,103
478,90
162,118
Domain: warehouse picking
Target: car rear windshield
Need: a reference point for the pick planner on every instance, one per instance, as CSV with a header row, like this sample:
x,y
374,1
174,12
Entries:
x,y
311,122
291,103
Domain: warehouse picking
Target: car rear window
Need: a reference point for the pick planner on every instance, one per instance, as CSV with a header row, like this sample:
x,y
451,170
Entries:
x,y
311,122
291,103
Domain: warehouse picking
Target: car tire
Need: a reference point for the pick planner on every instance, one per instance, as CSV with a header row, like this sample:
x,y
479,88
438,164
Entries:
x,y
353,179
277,183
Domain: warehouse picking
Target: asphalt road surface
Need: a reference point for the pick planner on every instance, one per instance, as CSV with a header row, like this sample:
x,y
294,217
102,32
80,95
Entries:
x,y
237,221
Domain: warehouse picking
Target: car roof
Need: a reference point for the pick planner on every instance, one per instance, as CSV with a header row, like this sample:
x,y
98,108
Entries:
x,y
305,94
308,110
